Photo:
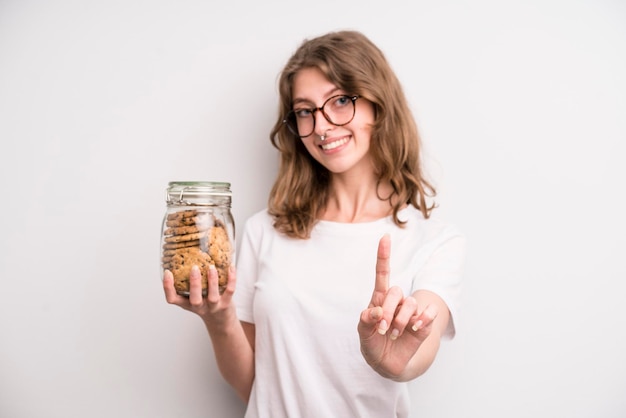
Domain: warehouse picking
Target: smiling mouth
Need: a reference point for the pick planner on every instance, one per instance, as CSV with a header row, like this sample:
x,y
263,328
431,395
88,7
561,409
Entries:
x,y
334,144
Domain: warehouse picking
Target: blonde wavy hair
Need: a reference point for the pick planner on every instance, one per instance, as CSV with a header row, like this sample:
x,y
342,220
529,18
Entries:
x,y
357,66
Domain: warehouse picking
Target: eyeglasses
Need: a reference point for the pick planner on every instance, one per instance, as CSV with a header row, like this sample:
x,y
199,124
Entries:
x,y
338,110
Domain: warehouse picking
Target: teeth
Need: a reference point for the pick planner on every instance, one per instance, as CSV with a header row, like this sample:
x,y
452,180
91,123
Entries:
x,y
334,144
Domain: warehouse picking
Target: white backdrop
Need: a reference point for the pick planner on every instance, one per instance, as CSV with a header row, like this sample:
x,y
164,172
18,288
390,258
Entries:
x,y
522,108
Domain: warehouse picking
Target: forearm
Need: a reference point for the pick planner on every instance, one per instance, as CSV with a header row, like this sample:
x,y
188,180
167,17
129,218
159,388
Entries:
x,y
234,354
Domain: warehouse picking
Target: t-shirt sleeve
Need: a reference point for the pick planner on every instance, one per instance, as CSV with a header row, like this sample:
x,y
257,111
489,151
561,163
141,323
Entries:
x,y
442,272
247,267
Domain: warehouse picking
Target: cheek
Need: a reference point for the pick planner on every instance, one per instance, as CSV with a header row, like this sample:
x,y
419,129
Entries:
x,y
364,123
366,130
364,134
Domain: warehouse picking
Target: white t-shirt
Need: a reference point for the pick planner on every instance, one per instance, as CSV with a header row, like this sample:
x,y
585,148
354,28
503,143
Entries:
x,y
305,298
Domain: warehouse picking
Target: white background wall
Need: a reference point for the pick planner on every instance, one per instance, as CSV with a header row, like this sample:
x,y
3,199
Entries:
x,y
522,108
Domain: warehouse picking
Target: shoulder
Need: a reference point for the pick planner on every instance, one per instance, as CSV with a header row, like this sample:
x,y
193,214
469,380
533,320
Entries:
x,y
428,235
261,217
434,226
259,222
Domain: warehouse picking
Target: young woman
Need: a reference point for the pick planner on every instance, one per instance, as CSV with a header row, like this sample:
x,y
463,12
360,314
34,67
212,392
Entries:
x,y
345,285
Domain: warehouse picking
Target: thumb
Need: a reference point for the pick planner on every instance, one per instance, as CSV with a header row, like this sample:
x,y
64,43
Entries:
x,y
369,318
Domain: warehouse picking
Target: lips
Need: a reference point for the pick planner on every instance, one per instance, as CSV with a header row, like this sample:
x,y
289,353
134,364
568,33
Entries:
x,y
327,146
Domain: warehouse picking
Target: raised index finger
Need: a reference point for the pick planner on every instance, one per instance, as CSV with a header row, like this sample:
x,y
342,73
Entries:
x,y
382,264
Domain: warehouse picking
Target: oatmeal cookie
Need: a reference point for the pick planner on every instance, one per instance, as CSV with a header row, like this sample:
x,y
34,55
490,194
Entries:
x,y
185,237
183,244
181,263
200,219
187,229
183,214
219,246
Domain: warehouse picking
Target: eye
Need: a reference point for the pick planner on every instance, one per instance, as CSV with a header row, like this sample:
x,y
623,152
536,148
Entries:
x,y
302,113
342,101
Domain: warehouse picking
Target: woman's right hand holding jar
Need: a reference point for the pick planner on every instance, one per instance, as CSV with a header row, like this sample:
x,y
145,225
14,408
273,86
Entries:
x,y
215,309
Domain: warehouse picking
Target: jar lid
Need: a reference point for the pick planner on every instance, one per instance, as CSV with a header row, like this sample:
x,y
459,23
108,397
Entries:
x,y
198,193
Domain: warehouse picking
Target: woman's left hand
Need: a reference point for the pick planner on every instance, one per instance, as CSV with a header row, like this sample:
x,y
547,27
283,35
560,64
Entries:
x,y
393,327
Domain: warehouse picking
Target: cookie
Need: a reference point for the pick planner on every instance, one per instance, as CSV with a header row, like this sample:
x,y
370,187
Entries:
x,y
184,244
177,216
182,263
167,258
219,246
222,277
200,219
186,237
187,229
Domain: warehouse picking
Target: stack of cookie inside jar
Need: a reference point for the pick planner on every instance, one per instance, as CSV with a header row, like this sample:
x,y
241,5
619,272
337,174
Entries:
x,y
198,229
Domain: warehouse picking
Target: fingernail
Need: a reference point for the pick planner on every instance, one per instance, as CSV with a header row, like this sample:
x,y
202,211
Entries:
x,y
212,267
394,334
417,325
376,313
195,269
382,327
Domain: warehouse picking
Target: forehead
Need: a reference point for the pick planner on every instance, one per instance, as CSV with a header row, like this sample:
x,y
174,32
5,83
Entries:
x,y
310,84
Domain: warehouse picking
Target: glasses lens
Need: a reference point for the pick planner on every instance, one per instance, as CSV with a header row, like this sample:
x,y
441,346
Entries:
x,y
301,122
338,110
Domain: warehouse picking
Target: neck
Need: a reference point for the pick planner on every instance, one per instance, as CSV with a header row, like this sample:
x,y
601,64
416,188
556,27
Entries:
x,y
355,200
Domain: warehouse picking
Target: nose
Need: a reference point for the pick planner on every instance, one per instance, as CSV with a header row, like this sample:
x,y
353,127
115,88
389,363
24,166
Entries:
x,y
322,124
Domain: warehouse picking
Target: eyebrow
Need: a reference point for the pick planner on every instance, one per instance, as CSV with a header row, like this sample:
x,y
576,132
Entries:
x,y
328,94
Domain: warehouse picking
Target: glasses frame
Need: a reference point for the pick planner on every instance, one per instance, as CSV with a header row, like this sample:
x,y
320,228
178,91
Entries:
x,y
292,112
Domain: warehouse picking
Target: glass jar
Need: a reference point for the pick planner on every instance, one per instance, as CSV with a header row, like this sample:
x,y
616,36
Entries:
x,y
197,229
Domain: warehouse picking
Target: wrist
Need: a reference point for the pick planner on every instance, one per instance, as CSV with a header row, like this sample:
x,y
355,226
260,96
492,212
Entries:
x,y
222,322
